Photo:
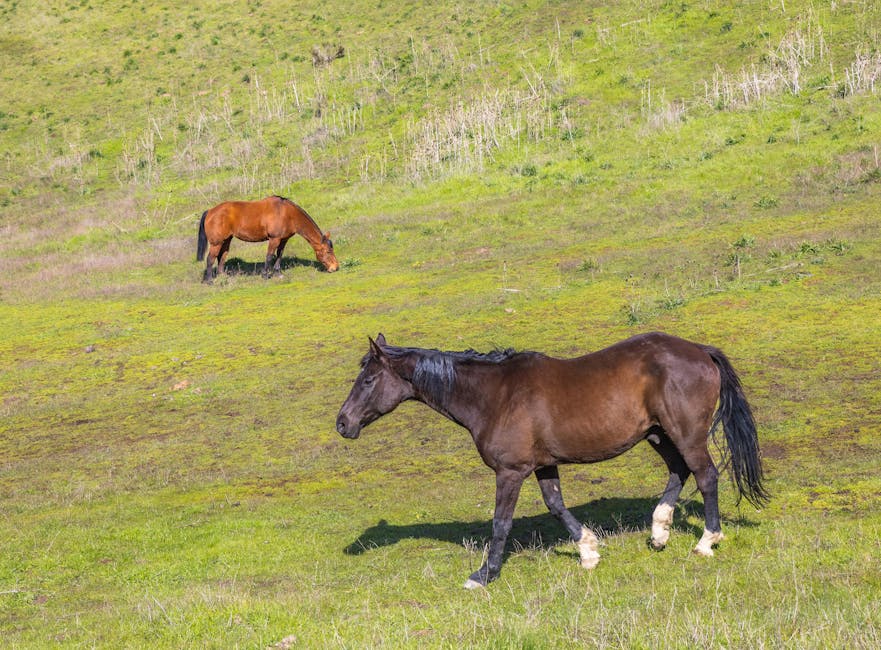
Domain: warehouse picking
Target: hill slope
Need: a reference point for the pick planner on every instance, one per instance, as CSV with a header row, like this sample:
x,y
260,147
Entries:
x,y
553,177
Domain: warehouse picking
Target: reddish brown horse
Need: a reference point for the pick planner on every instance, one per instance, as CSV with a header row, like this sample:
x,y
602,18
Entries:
x,y
274,218
530,413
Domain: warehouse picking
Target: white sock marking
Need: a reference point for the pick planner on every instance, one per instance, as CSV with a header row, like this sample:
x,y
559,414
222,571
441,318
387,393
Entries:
x,y
705,546
587,548
662,518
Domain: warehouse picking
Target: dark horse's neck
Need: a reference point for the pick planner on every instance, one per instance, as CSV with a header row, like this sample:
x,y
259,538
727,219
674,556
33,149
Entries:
x,y
450,382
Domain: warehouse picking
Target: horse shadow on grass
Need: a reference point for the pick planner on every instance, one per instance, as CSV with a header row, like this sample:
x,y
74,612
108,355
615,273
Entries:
x,y
238,266
605,516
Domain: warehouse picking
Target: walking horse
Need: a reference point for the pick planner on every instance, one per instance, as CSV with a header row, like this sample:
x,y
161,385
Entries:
x,y
529,413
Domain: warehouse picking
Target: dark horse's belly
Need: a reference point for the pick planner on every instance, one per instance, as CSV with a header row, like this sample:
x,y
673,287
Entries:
x,y
592,451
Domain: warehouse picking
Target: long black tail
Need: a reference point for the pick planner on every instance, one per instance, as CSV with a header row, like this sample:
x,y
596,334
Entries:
x,y
202,244
740,432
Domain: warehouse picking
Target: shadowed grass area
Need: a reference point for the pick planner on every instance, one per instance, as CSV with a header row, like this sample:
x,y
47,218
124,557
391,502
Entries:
x,y
548,177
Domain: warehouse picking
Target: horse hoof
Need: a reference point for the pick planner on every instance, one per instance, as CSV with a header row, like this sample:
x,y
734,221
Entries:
x,y
590,562
705,546
659,539
472,584
587,548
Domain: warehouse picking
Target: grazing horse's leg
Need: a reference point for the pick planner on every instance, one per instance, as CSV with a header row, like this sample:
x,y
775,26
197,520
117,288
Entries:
x,y
221,256
213,252
278,254
549,482
662,518
270,255
508,483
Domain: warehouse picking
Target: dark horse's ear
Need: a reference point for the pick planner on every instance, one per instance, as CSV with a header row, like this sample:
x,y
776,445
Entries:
x,y
376,346
380,340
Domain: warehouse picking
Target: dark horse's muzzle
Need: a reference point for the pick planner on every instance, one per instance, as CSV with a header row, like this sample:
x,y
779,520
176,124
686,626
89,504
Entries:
x,y
345,429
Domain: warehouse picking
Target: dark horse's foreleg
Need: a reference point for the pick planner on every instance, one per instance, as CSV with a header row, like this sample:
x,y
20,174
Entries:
x,y
549,482
662,517
508,483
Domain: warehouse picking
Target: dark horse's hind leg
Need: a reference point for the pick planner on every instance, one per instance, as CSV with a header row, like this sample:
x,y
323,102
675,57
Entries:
x,y
549,482
694,458
662,518
508,483
707,477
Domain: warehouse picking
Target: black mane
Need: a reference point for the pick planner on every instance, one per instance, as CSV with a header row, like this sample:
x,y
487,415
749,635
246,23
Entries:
x,y
435,373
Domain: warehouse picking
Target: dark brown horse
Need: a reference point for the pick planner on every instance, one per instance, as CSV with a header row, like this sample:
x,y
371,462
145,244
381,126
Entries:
x,y
274,218
528,412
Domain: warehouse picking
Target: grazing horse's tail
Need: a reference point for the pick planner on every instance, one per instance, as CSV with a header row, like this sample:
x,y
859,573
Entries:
x,y
202,244
740,432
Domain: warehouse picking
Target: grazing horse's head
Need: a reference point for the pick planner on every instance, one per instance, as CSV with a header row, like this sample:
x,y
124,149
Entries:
x,y
324,253
377,391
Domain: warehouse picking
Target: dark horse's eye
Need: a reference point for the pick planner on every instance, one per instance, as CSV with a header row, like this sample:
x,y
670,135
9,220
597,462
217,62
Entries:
x,y
368,381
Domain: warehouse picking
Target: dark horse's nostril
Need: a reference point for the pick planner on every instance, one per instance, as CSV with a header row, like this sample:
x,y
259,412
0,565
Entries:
x,y
341,426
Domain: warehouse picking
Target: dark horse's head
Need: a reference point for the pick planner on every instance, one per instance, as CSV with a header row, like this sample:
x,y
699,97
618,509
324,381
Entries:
x,y
378,390
325,255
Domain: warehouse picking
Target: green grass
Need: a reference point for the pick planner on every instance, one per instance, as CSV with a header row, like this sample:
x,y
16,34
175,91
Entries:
x,y
552,177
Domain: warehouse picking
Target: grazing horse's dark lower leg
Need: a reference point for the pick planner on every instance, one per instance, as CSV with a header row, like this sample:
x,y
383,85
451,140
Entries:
x,y
221,256
662,517
213,252
270,256
278,254
508,483
549,482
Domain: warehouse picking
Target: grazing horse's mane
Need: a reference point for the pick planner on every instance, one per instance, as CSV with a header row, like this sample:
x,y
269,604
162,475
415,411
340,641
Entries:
x,y
306,214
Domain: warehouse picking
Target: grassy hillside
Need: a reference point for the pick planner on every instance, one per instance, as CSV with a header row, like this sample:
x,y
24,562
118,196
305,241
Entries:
x,y
545,176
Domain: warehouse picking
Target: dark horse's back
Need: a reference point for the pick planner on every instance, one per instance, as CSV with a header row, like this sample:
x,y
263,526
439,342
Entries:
x,y
597,406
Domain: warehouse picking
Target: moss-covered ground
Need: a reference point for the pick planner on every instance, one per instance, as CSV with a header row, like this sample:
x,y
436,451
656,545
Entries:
x,y
540,176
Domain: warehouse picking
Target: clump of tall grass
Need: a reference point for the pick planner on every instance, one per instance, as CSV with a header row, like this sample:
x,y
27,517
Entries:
x,y
138,162
463,137
657,112
862,75
782,68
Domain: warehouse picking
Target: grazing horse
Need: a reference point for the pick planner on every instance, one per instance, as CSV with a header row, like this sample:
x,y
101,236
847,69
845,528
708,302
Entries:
x,y
529,413
274,218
